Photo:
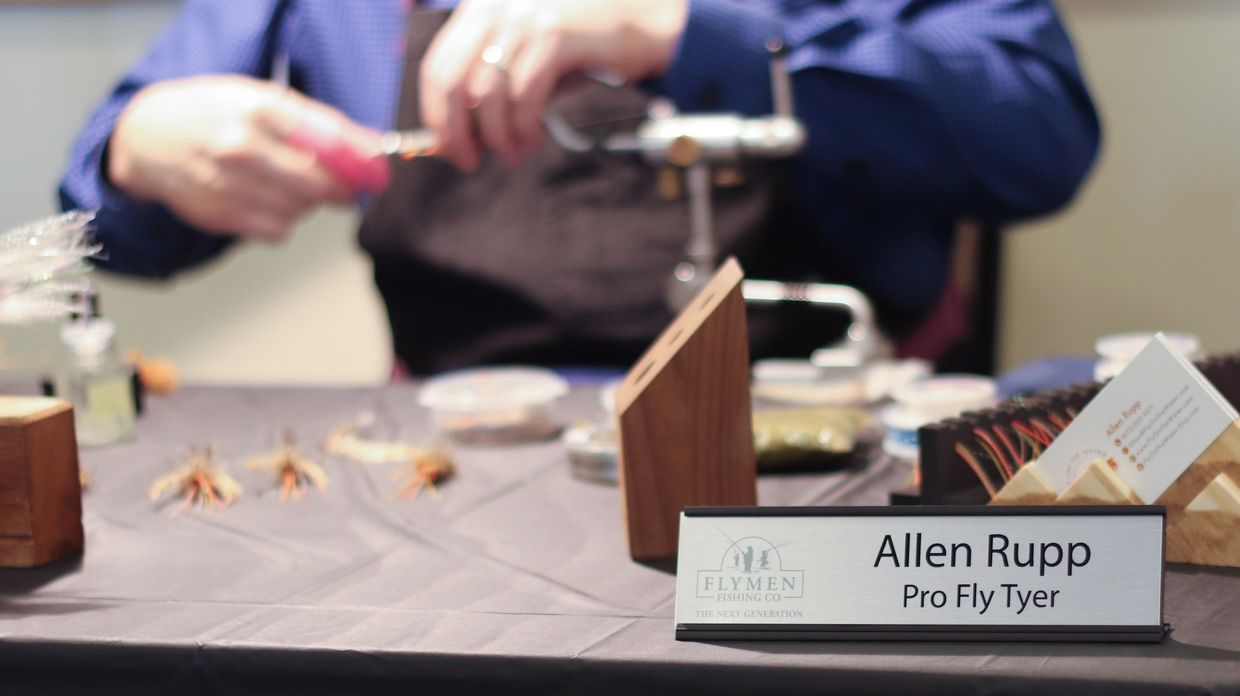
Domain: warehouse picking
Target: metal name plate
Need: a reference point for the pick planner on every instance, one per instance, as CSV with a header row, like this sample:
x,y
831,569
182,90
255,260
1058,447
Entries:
x,y
1042,573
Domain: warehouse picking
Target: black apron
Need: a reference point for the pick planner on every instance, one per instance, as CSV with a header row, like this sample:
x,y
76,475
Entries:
x,y
565,260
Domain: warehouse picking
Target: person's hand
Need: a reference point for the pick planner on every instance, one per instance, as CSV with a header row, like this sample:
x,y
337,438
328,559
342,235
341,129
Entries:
x,y
490,71
220,152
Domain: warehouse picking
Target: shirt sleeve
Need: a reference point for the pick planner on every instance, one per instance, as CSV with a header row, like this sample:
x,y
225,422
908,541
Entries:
x,y
965,106
207,36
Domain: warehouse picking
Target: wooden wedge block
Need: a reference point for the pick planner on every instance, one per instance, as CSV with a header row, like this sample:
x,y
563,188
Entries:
x,y
1098,484
1221,457
40,493
1205,537
1027,487
1207,532
1222,495
684,419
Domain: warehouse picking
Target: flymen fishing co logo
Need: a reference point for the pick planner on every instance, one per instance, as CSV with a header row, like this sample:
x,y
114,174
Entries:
x,y
751,569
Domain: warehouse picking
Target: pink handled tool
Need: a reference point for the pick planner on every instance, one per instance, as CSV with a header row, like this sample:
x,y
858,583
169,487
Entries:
x,y
364,171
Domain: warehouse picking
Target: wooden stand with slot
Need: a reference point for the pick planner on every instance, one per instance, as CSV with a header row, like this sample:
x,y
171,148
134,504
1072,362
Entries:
x,y
685,419
1203,505
40,493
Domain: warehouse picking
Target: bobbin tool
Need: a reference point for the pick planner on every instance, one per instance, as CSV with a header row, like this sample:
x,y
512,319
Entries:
x,y
416,142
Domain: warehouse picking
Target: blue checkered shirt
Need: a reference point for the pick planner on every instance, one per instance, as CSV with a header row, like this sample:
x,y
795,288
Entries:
x,y
919,112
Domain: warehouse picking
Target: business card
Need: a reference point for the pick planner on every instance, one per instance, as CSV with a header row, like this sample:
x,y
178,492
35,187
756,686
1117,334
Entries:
x,y
1149,424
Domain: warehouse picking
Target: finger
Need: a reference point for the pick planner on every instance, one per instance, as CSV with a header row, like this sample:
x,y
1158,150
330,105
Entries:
x,y
221,195
346,156
241,218
369,144
302,174
265,227
254,189
244,188
442,82
250,163
533,77
259,212
287,115
488,89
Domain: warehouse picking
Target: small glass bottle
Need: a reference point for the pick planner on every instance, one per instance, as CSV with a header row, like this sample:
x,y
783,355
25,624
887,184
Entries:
x,y
97,382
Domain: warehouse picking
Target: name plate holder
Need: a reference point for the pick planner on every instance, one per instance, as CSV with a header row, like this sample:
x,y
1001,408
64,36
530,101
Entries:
x,y
950,573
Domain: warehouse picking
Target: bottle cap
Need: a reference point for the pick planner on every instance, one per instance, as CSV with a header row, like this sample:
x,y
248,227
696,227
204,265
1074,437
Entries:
x,y
488,388
1115,351
943,396
89,336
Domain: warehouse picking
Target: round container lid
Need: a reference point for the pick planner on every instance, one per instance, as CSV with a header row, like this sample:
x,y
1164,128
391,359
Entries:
x,y
943,396
901,438
801,382
897,417
785,370
592,452
1125,346
491,388
900,449
607,396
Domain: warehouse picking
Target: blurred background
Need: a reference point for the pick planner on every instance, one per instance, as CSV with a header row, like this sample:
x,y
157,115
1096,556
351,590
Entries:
x,y
1150,243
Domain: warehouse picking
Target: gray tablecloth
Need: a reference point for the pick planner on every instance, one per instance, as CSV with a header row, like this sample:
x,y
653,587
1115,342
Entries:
x,y
518,580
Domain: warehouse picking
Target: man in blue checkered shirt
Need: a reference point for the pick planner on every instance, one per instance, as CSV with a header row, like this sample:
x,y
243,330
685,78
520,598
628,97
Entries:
x,y
918,112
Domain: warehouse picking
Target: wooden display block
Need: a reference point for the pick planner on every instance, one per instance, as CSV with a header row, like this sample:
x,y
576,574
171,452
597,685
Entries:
x,y
1205,537
1098,484
1027,487
1203,505
1220,496
40,493
684,419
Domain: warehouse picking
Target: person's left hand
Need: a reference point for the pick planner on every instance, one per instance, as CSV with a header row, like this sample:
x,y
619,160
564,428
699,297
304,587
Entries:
x,y
490,71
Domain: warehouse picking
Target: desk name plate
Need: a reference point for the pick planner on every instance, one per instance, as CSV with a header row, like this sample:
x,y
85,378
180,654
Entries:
x,y
1023,573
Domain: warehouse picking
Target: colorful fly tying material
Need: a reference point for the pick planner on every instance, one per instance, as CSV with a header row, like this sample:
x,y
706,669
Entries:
x,y
293,473
198,481
36,263
346,441
994,456
426,468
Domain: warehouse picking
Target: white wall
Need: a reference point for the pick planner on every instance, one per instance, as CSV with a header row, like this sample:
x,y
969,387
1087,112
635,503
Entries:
x,y
305,312
1150,243
1153,241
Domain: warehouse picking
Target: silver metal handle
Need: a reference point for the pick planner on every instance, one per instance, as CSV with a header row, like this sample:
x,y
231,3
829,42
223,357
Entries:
x,y
781,81
701,248
863,340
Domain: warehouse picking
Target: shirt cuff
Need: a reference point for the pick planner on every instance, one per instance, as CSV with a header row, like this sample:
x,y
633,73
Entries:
x,y
138,237
722,63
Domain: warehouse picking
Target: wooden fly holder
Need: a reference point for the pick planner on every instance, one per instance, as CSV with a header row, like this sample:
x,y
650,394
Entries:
x,y
684,419
40,492
990,456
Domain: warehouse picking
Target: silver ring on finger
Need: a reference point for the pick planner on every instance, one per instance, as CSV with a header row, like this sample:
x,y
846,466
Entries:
x,y
493,56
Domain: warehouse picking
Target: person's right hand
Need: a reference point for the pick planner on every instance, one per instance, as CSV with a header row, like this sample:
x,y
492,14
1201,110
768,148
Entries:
x,y
219,152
